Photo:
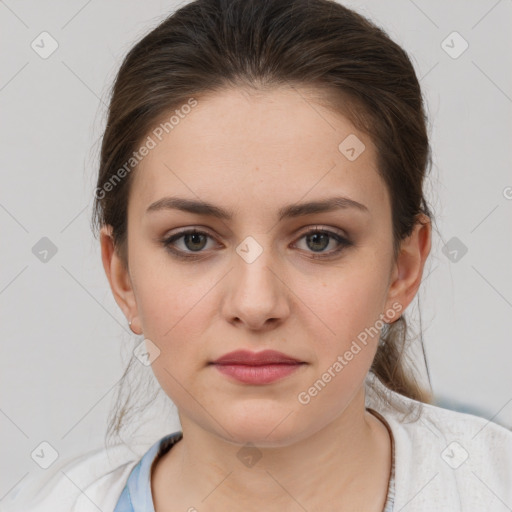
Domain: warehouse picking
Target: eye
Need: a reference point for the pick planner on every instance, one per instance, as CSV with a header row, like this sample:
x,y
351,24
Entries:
x,y
319,239
192,239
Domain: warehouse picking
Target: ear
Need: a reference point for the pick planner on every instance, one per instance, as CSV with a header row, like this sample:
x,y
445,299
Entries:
x,y
119,278
407,271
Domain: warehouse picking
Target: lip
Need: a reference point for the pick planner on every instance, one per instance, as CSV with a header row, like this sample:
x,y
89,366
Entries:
x,y
257,367
258,374
246,357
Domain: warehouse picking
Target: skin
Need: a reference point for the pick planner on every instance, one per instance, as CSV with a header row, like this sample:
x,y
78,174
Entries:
x,y
254,153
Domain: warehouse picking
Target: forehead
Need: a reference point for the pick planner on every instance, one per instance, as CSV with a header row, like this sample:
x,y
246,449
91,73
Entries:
x,y
244,146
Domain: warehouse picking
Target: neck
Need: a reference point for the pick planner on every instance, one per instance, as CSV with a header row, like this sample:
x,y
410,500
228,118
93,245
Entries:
x,y
347,460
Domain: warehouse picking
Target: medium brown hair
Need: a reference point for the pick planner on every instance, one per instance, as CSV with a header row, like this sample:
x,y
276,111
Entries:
x,y
320,45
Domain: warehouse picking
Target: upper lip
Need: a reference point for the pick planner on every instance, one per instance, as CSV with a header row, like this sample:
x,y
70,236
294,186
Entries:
x,y
256,358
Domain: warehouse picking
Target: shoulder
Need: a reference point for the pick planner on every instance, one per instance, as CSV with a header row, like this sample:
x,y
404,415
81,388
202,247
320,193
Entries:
x,y
460,432
94,479
456,459
463,435
462,455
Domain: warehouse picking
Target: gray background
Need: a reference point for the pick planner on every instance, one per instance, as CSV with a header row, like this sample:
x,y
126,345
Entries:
x,y
64,340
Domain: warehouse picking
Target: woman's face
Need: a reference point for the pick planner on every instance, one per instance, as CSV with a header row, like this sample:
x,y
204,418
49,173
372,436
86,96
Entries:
x,y
256,281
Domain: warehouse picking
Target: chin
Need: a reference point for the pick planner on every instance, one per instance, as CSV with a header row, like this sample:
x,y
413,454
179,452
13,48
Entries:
x,y
266,431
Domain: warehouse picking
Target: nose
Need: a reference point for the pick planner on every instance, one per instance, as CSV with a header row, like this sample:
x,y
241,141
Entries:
x,y
257,295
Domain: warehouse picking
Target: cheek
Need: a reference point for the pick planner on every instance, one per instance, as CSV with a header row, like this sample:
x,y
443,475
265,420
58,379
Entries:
x,y
176,313
169,295
345,305
345,340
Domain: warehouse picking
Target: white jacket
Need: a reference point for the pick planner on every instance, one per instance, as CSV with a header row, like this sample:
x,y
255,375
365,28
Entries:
x,y
444,461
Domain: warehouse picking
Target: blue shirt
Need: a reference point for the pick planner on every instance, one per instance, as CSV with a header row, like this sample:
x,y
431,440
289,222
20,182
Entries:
x,y
137,495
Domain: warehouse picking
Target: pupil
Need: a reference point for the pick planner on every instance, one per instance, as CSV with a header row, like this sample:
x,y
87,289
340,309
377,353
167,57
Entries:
x,y
189,236
315,239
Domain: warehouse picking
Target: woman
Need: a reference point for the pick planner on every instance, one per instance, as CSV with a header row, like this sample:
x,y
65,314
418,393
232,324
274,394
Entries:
x,y
263,225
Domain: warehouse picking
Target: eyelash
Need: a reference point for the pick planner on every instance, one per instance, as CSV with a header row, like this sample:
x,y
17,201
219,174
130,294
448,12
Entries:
x,y
166,242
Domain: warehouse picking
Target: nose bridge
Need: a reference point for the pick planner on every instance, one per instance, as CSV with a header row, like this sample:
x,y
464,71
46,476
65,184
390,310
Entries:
x,y
254,261
256,290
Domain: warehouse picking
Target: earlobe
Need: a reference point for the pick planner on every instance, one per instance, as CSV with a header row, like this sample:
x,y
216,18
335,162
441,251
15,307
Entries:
x,y
408,269
118,277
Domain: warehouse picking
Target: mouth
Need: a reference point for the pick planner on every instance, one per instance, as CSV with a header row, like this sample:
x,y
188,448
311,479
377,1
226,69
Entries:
x,y
265,357
258,373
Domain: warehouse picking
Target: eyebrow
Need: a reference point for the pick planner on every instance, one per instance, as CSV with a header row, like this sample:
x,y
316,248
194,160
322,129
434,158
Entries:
x,y
286,212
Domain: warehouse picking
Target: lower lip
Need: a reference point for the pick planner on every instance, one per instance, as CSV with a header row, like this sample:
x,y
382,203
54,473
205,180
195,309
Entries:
x,y
262,374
